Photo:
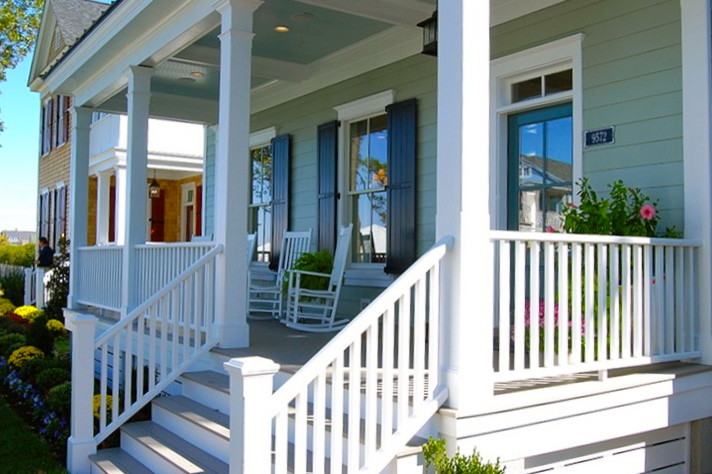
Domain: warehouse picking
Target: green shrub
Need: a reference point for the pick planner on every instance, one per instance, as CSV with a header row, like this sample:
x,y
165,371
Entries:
x,y
60,398
8,342
435,456
10,325
13,286
6,306
320,262
20,255
32,368
58,283
23,354
39,336
50,378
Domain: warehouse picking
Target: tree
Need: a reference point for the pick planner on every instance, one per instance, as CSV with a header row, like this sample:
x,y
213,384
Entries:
x,y
19,22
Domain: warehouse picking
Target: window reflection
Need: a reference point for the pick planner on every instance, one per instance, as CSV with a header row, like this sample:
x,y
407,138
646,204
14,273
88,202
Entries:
x,y
260,215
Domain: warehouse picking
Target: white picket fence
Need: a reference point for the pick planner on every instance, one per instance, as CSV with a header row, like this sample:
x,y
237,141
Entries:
x,y
380,373
99,279
570,303
146,351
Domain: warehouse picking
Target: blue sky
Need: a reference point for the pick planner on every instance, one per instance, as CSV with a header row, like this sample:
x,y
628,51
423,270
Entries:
x,y
19,109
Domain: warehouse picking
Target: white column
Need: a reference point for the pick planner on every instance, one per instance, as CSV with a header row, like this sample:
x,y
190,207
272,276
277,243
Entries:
x,y
138,98
103,190
251,385
80,444
120,205
463,200
232,169
79,195
697,146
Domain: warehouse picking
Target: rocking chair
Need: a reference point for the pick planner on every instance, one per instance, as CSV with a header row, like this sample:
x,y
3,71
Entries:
x,y
315,310
265,295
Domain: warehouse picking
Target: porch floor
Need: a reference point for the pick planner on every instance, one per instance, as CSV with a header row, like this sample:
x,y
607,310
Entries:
x,y
273,340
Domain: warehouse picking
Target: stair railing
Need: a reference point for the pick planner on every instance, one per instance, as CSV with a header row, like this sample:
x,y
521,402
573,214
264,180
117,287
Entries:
x,y
149,349
373,386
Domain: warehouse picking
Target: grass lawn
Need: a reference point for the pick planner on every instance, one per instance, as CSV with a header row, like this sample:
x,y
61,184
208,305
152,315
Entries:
x,y
21,450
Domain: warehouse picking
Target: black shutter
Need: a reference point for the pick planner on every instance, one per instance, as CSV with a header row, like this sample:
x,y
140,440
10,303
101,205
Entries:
x,y
327,195
402,143
280,195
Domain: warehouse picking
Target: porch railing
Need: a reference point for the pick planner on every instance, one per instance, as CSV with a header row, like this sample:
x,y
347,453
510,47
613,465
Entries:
x,y
36,292
379,375
157,264
146,351
100,272
570,303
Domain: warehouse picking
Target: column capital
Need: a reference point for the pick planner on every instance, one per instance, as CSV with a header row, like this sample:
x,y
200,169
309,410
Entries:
x,y
139,79
223,6
81,116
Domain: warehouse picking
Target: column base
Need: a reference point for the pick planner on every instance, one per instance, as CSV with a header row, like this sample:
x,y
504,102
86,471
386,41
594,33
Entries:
x,y
233,335
78,453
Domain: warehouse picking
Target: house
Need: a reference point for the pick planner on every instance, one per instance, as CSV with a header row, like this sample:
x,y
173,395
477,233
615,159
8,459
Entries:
x,y
20,237
176,151
333,102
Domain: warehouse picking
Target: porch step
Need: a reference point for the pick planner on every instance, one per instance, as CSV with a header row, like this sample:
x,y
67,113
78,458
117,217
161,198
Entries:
x,y
116,461
210,387
205,427
162,451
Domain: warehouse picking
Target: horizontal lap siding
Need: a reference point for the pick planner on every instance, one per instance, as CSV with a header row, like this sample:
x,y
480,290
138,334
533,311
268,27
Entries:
x,y
632,79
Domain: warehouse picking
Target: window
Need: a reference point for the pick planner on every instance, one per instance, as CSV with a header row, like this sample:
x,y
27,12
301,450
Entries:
x,y
55,123
368,177
260,216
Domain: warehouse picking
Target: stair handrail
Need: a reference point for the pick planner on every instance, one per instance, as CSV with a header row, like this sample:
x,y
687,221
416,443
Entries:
x,y
317,367
138,317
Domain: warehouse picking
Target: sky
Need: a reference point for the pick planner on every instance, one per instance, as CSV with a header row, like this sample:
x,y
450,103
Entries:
x,y
19,145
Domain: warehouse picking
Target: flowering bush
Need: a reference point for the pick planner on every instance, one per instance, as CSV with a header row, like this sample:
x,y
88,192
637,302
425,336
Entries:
x,y
540,324
626,212
55,326
28,313
97,405
23,354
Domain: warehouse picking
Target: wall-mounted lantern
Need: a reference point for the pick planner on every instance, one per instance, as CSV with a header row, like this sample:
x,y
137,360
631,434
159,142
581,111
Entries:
x,y
430,34
154,189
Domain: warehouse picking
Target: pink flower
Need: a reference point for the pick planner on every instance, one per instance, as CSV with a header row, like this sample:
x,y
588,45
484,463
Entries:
x,y
550,230
572,205
647,212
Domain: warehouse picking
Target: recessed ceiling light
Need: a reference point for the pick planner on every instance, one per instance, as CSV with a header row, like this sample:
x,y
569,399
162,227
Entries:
x,y
304,16
281,29
197,74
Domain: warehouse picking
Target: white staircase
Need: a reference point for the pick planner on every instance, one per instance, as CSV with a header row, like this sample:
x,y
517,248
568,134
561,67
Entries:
x,y
190,433
356,406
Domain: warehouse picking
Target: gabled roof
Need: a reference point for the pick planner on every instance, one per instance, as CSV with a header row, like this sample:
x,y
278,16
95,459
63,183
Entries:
x,y
68,19
74,17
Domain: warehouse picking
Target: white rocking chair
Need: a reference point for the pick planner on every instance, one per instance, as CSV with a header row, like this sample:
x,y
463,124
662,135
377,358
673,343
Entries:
x,y
265,294
315,310
251,247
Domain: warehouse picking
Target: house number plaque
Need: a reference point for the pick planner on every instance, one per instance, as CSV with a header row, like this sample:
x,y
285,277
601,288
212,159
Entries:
x,y
601,136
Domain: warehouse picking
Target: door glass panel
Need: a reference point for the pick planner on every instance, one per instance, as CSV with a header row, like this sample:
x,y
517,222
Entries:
x,y
541,145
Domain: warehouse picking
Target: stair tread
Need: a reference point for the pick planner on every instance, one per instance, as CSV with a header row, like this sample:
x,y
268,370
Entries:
x,y
211,379
207,418
118,461
185,456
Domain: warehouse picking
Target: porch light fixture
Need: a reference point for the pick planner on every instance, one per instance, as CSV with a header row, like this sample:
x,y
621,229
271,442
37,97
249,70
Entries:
x,y
281,29
154,189
197,74
430,34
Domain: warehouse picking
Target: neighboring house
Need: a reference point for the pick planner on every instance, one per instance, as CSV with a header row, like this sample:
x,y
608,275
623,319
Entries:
x,y
323,113
176,152
20,237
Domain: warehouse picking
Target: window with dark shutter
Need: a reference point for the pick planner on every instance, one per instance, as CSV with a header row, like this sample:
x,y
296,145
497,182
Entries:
x,y
54,113
61,124
61,215
67,114
327,195
280,194
46,127
402,143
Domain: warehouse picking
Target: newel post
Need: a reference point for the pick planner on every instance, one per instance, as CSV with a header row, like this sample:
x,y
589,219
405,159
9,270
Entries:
x,y
80,444
28,286
251,380
40,288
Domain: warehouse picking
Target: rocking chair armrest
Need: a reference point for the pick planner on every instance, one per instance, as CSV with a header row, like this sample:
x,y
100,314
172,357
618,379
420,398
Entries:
x,y
306,272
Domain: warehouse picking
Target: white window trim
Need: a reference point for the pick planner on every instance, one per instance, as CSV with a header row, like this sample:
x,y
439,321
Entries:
x,y
556,56
262,137
185,188
359,274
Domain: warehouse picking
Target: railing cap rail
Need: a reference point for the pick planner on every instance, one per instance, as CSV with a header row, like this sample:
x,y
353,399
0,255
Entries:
x,y
359,324
97,248
516,236
173,245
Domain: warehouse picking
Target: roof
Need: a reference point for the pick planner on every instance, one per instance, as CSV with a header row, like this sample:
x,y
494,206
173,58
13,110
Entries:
x,y
74,17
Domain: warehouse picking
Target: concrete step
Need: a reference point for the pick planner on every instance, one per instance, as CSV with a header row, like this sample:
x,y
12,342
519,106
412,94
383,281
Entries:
x,y
162,451
206,427
116,461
